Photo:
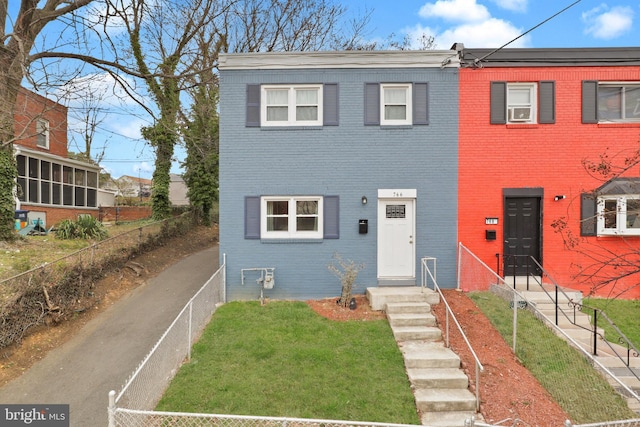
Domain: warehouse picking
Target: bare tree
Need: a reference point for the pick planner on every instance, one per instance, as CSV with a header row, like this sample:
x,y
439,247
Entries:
x,y
601,266
19,31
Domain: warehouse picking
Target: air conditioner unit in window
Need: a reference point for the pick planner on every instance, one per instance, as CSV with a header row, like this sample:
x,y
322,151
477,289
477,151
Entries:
x,y
520,114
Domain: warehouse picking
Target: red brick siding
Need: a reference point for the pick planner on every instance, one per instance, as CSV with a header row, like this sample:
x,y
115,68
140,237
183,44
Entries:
x,y
55,215
124,213
493,157
30,106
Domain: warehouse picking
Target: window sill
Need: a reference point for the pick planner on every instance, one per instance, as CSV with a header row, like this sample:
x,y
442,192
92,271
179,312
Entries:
x,y
619,124
523,126
288,241
388,127
289,127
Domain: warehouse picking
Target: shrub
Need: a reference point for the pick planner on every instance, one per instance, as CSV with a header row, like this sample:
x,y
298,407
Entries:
x,y
347,271
85,227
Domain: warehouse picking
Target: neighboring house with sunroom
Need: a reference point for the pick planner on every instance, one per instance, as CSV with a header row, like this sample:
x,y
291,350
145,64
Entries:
x,y
50,186
348,153
544,136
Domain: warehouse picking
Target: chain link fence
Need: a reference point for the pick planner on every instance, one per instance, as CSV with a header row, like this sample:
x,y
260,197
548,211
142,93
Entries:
x,y
146,385
551,354
52,289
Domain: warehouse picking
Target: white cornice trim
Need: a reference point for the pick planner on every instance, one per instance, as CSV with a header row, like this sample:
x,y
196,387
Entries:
x,y
342,59
20,149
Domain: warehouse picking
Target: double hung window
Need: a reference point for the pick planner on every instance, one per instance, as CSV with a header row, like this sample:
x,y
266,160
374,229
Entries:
x,y
291,217
521,102
618,102
395,108
42,133
291,105
619,215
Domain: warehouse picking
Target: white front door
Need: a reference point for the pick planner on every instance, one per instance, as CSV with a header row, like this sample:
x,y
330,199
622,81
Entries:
x,y
396,238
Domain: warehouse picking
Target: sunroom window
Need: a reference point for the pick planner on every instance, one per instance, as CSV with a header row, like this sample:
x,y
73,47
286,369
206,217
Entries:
x,y
618,102
291,105
291,217
619,215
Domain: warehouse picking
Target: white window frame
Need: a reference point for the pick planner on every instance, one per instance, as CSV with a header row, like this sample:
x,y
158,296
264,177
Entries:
x,y
408,120
292,232
291,105
514,106
42,129
623,86
621,216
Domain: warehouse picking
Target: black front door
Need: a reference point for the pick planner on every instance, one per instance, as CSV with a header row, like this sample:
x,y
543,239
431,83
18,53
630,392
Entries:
x,y
521,235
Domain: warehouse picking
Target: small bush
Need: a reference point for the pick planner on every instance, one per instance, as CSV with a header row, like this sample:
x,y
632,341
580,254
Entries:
x,y
85,227
347,271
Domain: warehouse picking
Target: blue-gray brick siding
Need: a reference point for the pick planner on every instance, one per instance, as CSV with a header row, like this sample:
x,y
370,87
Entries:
x,y
350,160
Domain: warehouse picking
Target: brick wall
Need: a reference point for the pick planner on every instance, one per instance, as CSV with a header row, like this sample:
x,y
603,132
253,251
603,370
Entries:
x,y
29,107
124,213
493,157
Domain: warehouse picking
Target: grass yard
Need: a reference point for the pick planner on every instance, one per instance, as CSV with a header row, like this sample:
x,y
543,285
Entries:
x,y
284,360
625,315
581,391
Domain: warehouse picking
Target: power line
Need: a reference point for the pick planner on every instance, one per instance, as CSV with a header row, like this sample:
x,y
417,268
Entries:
x,y
476,61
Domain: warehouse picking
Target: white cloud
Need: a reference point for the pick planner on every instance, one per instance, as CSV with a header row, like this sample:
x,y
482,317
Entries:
x,y
455,10
513,5
128,128
604,23
142,167
490,33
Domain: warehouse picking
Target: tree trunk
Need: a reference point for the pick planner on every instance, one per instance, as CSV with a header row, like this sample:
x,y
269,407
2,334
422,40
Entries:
x,y
8,170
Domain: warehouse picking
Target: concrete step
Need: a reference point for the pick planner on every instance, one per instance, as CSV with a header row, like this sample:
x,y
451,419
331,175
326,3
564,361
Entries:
x,y
417,333
448,419
380,296
444,400
437,378
424,355
411,319
407,307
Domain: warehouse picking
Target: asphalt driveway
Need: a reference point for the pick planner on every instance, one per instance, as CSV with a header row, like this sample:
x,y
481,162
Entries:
x,y
106,351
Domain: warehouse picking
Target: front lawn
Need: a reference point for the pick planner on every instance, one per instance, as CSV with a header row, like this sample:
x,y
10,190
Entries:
x,y
284,360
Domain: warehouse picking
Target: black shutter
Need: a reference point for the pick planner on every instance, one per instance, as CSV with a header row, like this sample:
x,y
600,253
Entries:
x,y
331,217
252,217
371,104
547,99
330,104
588,214
498,103
253,106
589,101
421,103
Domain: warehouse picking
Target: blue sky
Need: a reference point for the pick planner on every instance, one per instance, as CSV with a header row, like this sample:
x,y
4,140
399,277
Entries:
x,y
476,23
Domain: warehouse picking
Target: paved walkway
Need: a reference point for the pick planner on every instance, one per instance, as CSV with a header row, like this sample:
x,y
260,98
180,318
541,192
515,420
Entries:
x,y
106,351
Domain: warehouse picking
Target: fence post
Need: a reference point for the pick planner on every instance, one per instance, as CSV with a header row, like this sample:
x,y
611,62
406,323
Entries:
x,y
595,332
515,317
189,334
112,408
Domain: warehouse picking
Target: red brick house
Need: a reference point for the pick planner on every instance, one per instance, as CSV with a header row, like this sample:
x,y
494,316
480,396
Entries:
x,y
51,187
548,150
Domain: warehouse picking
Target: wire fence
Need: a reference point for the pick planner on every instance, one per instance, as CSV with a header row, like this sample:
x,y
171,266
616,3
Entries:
x,y
53,288
134,404
552,355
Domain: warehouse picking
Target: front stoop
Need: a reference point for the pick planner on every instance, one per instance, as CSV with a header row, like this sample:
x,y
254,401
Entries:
x,y
439,386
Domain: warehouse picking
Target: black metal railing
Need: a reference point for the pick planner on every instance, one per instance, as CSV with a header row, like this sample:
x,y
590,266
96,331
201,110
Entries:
x,y
518,263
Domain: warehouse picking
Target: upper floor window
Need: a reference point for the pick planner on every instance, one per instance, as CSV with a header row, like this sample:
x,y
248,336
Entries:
x,y
291,217
619,215
395,108
42,133
291,105
523,102
618,102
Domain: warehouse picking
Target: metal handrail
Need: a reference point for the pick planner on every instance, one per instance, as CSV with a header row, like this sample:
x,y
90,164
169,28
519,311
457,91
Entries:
x,y
597,313
479,368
